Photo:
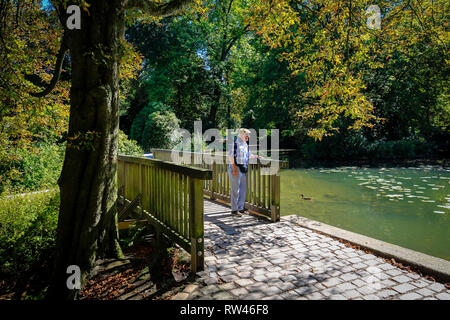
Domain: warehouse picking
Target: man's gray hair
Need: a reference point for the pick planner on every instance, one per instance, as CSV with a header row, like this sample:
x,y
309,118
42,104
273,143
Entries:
x,y
244,131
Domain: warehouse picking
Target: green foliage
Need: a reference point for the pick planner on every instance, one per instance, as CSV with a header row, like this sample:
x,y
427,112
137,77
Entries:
x,y
174,71
27,231
304,69
35,169
128,147
331,43
153,127
269,91
139,123
356,146
133,235
159,129
406,148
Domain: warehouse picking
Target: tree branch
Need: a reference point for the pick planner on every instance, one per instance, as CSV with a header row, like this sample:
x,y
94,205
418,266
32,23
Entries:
x,y
58,68
163,8
232,41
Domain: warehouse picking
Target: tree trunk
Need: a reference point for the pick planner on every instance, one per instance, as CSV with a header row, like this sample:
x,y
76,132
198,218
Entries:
x,y
87,225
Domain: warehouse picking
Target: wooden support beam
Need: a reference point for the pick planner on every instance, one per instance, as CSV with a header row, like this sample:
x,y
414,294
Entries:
x,y
275,205
196,225
130,207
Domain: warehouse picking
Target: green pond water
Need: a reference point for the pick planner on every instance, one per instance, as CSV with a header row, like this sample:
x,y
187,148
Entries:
x,y
409,207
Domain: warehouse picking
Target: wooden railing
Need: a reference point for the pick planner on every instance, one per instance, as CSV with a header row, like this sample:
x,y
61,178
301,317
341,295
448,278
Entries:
x,y
263,188
171,199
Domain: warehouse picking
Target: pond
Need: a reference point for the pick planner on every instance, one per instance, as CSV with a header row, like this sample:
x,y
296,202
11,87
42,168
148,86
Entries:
x,y
409,207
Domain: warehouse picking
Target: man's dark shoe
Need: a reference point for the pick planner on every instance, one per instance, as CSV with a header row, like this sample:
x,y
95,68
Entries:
x,y
235,213
243,211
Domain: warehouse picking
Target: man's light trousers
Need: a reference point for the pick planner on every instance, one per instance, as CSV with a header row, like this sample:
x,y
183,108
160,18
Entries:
x,y
238,189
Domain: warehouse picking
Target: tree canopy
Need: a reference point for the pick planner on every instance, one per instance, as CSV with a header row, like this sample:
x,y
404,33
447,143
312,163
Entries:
x,y
339,78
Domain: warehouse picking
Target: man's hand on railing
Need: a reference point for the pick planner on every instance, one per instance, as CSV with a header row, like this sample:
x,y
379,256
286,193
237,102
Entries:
x,y
253,156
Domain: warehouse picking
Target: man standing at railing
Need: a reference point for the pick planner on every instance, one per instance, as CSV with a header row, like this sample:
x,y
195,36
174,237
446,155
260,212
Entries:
x,y
239,155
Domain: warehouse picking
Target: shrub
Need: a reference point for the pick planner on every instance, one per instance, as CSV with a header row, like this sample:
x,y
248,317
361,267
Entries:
x,y
128,147
153,127
139,122
159,129
27,231
404,149
423,147
35,169
356,146
381,150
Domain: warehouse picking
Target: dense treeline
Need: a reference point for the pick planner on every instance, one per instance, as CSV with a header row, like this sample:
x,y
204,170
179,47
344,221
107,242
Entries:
x,y
335,88
217,70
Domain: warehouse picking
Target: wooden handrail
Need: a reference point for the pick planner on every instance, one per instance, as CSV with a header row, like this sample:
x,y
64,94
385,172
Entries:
x,y
167,156
263,189
171,199
197,173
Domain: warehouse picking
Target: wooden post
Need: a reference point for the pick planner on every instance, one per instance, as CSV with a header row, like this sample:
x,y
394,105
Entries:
x,y
275,204
213,184
140,177
258,174
196,225
185,203
264,177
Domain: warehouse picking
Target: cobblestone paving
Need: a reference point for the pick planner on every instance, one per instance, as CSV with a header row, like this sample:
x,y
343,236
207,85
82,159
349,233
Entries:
x,y
248,258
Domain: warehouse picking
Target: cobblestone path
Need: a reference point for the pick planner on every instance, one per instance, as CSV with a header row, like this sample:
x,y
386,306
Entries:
x,y
249,258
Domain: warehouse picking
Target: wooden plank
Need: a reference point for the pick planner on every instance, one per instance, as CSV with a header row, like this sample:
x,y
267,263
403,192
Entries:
x,y
175,202
228,180
152,188
159,193
167,231
144,191
213,189
196,226
130,207
185,203
140,177
275,207
164,154
220,179
264,195
165,196
172,199
179,217
168,195
258,174
269,191
124,225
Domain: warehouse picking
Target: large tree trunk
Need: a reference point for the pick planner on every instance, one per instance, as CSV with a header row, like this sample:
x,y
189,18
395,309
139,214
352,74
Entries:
x,y
87,225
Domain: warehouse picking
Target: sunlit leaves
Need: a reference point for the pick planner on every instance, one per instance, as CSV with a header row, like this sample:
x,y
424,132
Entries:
x,y
331,43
